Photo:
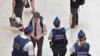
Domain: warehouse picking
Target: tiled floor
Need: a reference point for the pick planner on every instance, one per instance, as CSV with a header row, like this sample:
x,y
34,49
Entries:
x,y
89,21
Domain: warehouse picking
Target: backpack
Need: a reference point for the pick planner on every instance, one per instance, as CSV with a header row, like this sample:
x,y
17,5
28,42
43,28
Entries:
x,y
81,2
41,22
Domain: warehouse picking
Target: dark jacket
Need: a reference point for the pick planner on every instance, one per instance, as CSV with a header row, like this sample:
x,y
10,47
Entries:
x,y
74,4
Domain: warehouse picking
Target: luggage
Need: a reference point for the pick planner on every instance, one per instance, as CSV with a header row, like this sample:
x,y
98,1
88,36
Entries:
x,y
14,22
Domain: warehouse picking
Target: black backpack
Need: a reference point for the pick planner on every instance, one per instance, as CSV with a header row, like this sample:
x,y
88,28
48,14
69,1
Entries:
x,y
41,22
81,2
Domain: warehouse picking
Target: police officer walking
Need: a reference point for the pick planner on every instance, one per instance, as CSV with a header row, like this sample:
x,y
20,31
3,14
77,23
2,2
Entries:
x,y
81,47
17,10
22,45
58,39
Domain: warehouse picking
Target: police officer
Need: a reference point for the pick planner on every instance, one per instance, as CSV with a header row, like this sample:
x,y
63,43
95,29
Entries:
x,y
17,10
22,45
58,39
81,47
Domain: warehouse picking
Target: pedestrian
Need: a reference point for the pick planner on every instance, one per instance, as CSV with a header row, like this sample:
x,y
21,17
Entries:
x,y
17,10
39,31
74,6
81,47
23,45
58,39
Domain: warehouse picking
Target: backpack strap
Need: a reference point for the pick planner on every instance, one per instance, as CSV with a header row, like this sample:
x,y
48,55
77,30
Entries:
x,y
41,22
30,23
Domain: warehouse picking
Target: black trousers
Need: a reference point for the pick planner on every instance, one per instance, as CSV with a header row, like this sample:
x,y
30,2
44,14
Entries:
x,y
75,17
19,11
59,50
39,45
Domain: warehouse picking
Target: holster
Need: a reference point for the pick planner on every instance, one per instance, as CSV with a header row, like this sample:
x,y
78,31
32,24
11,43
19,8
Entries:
x,y
51,44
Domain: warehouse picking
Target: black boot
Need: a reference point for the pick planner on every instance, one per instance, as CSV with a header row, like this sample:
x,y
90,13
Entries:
x,y
73,26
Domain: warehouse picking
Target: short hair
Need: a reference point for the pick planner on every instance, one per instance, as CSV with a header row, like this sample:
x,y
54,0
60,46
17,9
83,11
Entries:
x,y
81,39
58,25
36,14
27,33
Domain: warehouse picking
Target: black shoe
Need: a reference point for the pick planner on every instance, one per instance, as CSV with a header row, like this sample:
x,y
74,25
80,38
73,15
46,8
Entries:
x,y
72,26
76,24
21,30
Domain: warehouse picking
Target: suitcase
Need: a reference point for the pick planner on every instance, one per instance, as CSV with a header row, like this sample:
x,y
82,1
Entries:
x,y
14,23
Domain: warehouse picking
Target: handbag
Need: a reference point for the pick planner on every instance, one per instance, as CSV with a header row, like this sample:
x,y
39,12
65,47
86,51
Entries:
x,y
14,23
27,5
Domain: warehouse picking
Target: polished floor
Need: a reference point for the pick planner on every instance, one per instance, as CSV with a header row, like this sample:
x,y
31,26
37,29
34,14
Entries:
x,y
89,21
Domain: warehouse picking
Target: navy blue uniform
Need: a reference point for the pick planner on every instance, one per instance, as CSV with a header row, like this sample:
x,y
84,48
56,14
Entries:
x,y
81,50
59,42
18,45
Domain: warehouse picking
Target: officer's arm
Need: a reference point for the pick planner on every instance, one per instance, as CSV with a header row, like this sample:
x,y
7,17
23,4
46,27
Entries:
x,y
88,50
32,5
72,50
67,27
13,6
50,36
44,28
31,50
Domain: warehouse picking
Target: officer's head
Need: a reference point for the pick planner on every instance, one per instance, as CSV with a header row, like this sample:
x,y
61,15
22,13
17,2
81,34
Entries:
x,y
81,37
28,31
56,22
36,16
